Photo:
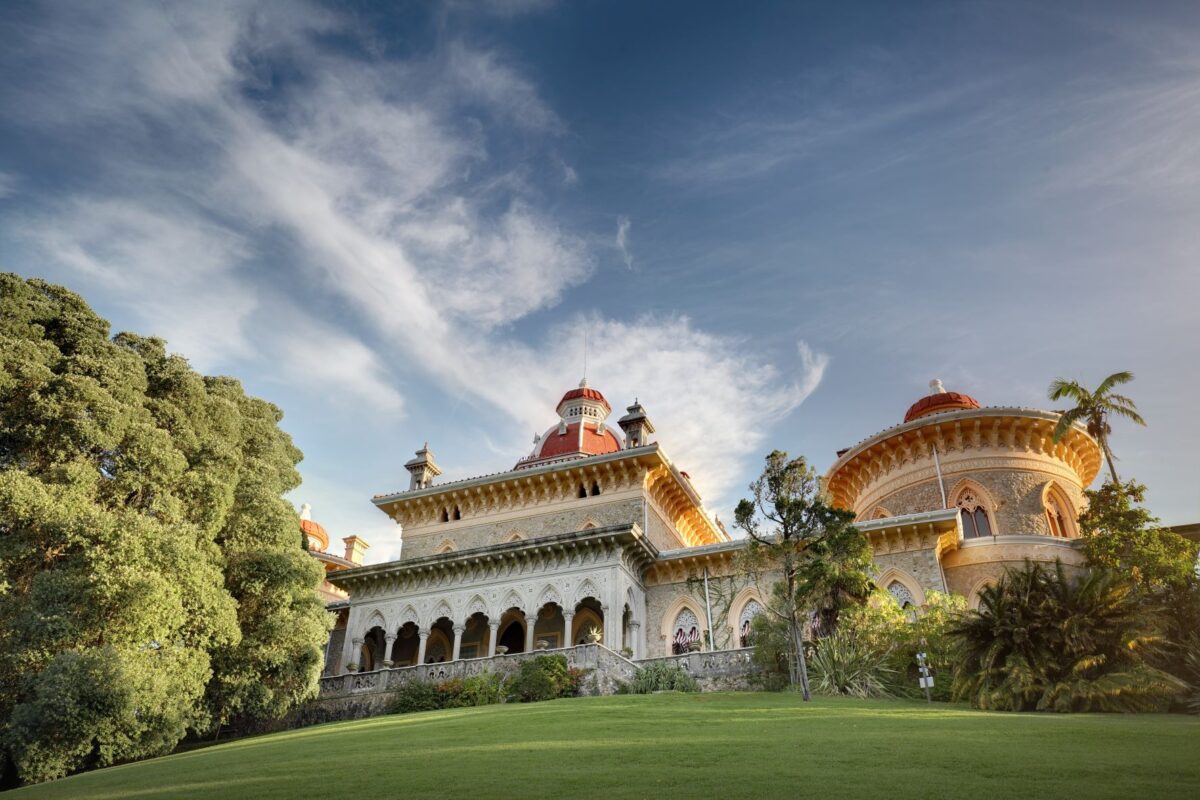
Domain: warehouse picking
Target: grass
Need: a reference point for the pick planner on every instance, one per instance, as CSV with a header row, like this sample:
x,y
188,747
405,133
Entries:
x,y
672,745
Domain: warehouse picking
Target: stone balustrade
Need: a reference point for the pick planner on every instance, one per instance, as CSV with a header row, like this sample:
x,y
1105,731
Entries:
x,y
363,694
716,670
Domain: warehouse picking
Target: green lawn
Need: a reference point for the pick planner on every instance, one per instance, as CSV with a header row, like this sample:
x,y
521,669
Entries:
x,y
705,745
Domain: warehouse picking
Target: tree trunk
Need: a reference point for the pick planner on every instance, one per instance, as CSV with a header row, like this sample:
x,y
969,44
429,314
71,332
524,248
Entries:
x,y
797,664
798,644
1112,470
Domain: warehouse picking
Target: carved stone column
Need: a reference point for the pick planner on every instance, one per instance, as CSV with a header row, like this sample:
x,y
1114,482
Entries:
x,y
424,635
356,652
492,628
568,618
635,640
458,632
530,624
612,630
389,643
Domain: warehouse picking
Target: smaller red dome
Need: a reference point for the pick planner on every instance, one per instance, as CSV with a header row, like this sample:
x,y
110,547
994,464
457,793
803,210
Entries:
x,y
937,403
316,532
585,392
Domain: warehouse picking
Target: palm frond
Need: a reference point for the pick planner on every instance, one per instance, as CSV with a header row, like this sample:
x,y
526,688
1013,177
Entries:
x,y
1113,380
1060,388
1065,421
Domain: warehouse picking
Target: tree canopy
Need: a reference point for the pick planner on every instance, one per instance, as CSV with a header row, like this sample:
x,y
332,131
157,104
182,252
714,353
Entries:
x,y
1094,408
823,559
151,580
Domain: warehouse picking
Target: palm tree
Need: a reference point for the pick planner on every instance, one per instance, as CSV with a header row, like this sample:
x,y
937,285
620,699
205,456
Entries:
x,y
1094,408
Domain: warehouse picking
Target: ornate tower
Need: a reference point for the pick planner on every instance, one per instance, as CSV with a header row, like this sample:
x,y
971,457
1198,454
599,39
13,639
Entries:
x,y
637,425
423,469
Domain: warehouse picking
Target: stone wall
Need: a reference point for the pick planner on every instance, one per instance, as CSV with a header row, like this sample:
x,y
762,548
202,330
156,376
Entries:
x,y
1016,496
920,564
366,694
977,564
465,535
718,670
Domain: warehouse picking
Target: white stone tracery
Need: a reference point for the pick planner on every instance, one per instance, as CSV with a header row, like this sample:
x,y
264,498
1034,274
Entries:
x,y
903,596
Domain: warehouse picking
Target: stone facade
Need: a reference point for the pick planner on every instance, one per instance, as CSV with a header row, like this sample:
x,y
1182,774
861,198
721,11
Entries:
x,y
609,546
570,515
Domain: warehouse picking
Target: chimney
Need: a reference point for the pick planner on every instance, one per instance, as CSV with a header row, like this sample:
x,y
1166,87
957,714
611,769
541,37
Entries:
x,y
355,549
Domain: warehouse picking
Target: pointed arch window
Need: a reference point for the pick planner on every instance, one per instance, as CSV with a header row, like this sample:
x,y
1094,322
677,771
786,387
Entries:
x,y
902,594
1058,518
975,521
687,631
745,623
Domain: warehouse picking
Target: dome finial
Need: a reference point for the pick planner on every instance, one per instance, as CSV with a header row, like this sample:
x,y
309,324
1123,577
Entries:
x,y
305,511
936,387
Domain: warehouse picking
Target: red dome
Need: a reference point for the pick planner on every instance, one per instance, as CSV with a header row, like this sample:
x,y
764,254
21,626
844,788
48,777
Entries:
x,y
554,445
585,392
937,403
314,530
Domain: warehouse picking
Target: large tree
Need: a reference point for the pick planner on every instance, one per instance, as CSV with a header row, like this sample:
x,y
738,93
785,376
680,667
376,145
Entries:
x,y
151,580
1095,408
821,559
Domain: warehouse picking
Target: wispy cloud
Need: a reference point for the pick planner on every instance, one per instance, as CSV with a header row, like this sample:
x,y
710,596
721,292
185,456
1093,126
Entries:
x,y
623,225
390,189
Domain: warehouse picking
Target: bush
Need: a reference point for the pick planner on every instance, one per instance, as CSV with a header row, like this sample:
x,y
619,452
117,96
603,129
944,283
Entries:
x,y
843,664
662,677
900,634
1043,641
545,677
416,696
484,689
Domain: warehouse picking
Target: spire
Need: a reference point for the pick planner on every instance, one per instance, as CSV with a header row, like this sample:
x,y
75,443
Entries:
x,y
936,387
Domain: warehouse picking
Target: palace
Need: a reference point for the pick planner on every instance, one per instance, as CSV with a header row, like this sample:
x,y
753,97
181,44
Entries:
x,y
592,538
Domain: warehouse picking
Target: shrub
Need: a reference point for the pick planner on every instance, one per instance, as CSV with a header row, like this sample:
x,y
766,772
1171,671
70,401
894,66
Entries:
x,y
416,696
544,677
842,664
1043,641
662,677
484,689
900,634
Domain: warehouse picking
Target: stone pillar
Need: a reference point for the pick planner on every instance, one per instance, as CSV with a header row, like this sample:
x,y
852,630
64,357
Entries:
x,y
568,618
356,652
389,643
635,643
530,624
458,632
492,628
612,630
424,634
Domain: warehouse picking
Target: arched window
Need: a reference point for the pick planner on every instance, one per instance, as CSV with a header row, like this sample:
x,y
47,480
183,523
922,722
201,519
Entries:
x,y
445,515
595,488
903,596
582,490
457,513
1057,515
745,623
687,630
975,522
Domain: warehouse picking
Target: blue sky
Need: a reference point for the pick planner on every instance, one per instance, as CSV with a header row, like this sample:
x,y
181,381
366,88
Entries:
x,y
776,222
